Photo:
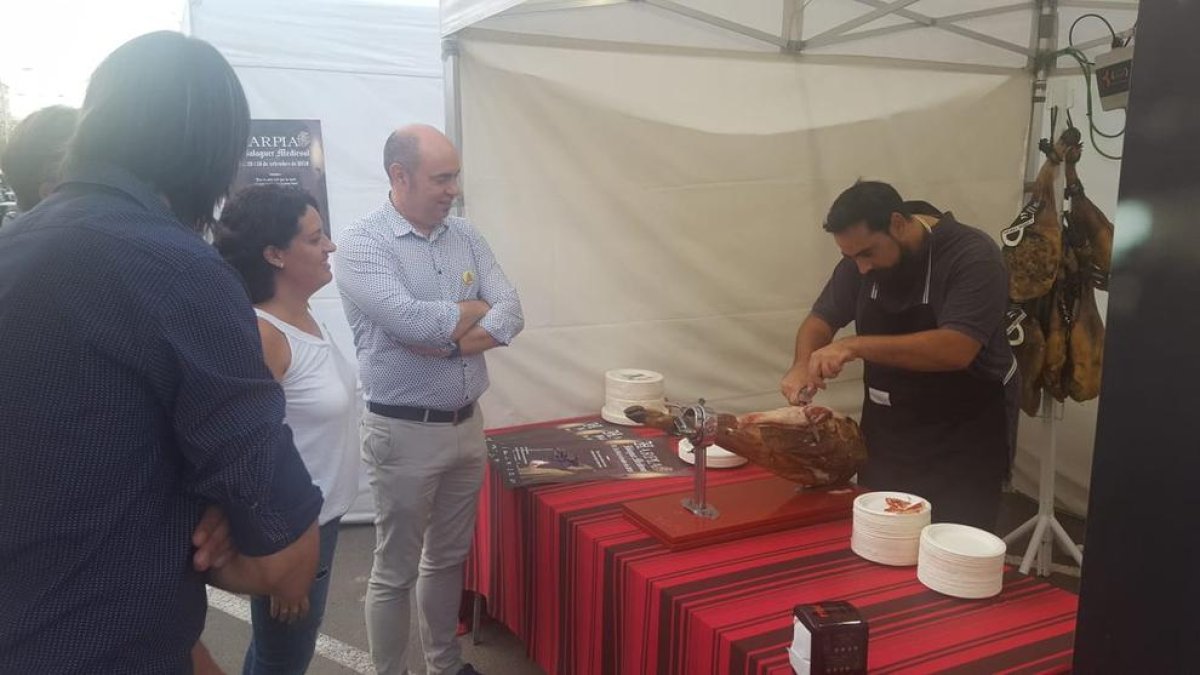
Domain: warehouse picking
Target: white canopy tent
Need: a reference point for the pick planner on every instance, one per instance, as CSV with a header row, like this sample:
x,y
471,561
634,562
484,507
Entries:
x,y
653,173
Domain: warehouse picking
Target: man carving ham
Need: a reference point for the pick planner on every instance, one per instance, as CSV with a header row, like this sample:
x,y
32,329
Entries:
x,y
927,295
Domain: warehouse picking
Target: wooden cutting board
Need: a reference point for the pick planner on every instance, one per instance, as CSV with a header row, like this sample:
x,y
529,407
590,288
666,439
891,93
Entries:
x,y
745,509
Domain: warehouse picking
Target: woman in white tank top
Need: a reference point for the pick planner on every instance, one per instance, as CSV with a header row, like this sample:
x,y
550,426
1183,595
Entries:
x,y
275,238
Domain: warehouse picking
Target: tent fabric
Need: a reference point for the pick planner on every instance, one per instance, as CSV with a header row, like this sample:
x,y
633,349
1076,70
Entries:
x,y
361,67
683,234
458,14
385,37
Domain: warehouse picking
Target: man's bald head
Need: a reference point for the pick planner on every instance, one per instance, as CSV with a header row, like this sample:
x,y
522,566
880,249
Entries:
x,y
401,148
404,146
422,167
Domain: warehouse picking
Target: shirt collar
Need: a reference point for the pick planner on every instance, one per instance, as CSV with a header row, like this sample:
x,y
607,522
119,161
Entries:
x,y
121,180
401,227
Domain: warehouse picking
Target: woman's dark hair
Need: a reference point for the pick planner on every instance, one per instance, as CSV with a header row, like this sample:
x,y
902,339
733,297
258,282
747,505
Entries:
x,y
35,151
870,202
170,110
255,218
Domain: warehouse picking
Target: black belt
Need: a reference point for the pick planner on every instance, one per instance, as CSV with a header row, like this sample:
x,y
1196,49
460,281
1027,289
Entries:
x,y
404,412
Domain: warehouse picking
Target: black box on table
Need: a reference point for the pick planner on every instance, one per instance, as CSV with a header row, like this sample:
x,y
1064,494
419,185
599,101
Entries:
x,y
830,637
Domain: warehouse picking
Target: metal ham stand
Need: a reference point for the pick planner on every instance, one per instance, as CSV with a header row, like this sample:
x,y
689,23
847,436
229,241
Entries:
x,y
1045,525
699,425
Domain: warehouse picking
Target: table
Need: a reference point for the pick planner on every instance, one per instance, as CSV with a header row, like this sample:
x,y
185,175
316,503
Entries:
x,y
589,592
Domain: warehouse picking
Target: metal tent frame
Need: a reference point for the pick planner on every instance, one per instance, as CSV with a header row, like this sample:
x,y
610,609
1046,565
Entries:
x,y
792,21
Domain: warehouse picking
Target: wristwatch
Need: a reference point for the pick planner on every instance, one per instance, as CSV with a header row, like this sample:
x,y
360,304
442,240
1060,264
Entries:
x,y
455,351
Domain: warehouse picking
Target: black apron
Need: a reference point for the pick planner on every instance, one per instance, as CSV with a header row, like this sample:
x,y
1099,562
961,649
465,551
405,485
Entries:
x,y
942,436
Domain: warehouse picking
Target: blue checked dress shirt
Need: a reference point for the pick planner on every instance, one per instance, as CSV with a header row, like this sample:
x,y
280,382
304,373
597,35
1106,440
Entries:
x,y
401,289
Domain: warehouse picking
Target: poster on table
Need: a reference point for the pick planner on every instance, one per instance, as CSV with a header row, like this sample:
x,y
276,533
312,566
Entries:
x,y
581,451
286,152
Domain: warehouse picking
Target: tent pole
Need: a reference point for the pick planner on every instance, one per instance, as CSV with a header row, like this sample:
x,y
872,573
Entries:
x,y
714,20
793,25
881,10
940,21
1043,40
452,86
951,28
453,105
453,102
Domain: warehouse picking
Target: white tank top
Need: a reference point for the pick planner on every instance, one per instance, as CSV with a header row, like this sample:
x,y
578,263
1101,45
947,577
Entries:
x,y
322,410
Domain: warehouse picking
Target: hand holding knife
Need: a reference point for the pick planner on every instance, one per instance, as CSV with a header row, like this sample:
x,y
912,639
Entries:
x,y
805,396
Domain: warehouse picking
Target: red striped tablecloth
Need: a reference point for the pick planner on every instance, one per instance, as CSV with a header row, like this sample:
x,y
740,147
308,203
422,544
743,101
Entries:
x,y
588,592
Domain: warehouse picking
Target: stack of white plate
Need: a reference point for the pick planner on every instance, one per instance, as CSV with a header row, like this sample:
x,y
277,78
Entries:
x,y
627,387
716,457
885,534
961,561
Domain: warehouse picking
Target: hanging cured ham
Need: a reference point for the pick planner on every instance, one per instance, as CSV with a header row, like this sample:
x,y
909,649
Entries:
x,y
1057,339
1087,346
1033,244
1093,227
1031,358
1053,274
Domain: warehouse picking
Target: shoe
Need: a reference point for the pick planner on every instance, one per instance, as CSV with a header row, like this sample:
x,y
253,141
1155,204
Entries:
x,y
468,669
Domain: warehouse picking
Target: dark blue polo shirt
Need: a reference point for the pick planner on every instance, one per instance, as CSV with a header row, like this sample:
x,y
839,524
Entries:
x,y
132,393
964,281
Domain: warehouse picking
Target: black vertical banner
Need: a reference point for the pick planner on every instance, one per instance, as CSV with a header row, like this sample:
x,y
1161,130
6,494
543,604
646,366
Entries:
x,y
286,152
1140,595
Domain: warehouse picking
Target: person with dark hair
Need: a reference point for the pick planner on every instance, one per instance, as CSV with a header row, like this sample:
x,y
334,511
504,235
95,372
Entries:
x,y
425,298
927,295
273,237
136,403
32,159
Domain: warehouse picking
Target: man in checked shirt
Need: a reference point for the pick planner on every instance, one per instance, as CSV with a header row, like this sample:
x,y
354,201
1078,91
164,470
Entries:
x,y
426,299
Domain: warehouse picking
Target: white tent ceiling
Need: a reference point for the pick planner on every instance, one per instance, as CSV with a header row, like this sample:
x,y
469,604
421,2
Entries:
x,y
966,33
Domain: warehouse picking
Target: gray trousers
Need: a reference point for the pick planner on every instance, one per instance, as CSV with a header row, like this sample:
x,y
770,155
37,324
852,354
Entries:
x,y
425,479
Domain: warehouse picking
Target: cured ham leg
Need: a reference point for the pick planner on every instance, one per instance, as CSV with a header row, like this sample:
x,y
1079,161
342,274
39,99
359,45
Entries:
x,y
1033,262
1031,358
1093,224
810,445
1087,347
1057,337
